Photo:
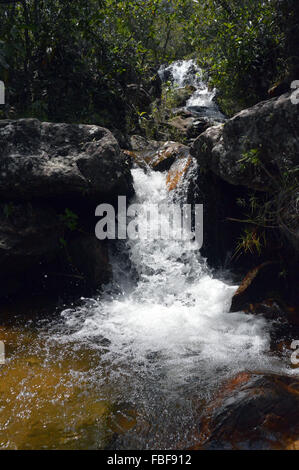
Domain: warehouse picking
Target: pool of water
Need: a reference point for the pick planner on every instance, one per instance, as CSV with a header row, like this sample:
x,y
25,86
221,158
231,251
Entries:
x,y
134,367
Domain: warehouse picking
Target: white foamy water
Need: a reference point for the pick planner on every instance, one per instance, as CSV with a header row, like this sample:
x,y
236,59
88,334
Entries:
x,y
175,310
187,72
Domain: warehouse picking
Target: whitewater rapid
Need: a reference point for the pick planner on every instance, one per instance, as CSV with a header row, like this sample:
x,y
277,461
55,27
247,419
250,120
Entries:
x,y
166,304
165,317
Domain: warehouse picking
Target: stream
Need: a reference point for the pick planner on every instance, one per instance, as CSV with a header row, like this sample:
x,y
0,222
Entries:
x,y
134,367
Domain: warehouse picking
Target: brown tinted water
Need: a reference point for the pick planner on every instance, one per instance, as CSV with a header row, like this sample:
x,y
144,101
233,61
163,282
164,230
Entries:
x,y
48,396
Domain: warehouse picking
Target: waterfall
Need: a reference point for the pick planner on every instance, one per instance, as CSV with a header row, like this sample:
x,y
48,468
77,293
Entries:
x,y
169,306
162,330
186,72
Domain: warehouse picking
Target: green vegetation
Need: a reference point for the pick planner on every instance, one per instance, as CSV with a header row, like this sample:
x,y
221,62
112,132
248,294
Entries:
x,y
69,220
73,61
155,123
96,61
273,213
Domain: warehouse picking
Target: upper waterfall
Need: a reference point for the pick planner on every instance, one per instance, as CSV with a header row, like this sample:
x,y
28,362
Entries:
x,y
184,73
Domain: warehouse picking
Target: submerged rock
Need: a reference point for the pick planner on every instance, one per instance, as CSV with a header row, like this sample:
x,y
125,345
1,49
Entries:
x,y
177,173
253,412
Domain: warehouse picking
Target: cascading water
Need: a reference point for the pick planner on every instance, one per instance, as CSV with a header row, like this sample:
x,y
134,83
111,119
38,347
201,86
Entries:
x,y
134,368
186,72
176,309
162,329
164,333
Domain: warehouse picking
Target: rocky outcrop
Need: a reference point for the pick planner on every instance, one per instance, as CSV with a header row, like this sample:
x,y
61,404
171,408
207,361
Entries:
x,y
52,176
248,162
40,160
253,147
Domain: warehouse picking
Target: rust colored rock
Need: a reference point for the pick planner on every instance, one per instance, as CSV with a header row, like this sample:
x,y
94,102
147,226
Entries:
x,y
156,155
168,154
253,412
177,172
252,289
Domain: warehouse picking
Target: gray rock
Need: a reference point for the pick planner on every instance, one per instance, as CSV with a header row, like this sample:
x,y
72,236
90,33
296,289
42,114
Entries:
x,y
90,258
40,160
45,169
33,258
254,146
189,126
139,143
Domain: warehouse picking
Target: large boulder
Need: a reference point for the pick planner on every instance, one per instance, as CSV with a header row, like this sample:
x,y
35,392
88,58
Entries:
x,y
38,254
253,147
41,160
219,201
247,165
52,176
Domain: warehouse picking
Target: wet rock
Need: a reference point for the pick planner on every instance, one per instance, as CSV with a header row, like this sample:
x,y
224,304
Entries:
x,y
182,124
190,127
139,143
219,201
254,287
29,238
154,154
263,291
142,150
270,309
253,412
180,96
260,140
168,154
177,172
90,258
40,160
199,126
37,255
